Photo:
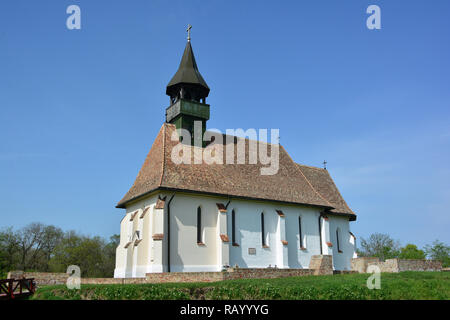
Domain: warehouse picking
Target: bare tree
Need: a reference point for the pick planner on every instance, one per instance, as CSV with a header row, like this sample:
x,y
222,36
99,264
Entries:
x,y
379,245
36,243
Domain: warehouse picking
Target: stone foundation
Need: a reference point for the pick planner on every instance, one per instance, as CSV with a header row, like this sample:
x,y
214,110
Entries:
x,y
344,272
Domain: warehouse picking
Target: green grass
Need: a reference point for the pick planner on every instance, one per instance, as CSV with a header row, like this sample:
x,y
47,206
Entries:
x,y
394,286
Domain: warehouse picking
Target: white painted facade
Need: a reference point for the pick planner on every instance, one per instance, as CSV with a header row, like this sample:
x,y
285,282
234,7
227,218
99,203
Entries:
x,y
139,253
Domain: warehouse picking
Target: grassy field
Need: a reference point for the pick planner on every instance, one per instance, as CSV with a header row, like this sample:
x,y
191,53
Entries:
x,y
394,286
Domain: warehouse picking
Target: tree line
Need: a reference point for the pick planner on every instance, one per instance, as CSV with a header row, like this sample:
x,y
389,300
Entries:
x,y
46,248
384,247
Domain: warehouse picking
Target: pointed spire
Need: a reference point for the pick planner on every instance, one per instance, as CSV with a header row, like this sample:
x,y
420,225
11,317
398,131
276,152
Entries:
x,y
188,79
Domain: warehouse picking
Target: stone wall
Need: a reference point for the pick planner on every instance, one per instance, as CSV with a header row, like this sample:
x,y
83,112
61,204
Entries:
x,y
49,278
419,265
390,265
230,274
41,278
360,264
113,280
395,265
320,264
184,277
44,278
266,273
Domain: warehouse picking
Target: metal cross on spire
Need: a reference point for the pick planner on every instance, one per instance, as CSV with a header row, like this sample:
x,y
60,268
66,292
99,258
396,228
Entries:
x,y
189,32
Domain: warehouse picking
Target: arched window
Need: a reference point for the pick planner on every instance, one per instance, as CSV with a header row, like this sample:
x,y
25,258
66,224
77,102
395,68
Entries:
x,y
300,234
338,240
199,225
233,226
263,232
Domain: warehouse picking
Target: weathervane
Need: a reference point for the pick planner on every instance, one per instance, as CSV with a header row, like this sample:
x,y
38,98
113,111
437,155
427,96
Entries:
x,y
189,32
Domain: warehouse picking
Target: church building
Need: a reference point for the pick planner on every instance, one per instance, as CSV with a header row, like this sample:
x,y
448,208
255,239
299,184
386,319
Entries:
x,y
197,217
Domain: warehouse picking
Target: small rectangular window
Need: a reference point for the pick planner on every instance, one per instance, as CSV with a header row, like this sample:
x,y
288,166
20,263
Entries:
x,y
199,225
233,227
300,234
263,232
337,241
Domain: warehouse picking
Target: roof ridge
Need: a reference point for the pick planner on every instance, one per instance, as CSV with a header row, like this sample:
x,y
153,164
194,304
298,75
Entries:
x,y
244,138
163,154
320,195
309,183
342,198
312,167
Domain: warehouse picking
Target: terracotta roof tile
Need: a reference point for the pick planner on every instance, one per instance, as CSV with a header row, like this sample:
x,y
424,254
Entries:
x,y
158,236
321,181
280,213
133,215
160,203
221,207
144,212
293,183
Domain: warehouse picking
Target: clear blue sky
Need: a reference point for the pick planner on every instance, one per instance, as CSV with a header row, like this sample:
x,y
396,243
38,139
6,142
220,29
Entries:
x,y
79,109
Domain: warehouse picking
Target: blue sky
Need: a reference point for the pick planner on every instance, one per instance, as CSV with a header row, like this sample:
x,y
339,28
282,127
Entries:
x,y
79,109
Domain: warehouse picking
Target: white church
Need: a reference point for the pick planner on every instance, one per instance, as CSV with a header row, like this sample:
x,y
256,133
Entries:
x,y
206,217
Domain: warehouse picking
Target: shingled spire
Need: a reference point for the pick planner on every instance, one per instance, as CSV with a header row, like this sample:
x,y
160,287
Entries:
x,y
187,91
187,83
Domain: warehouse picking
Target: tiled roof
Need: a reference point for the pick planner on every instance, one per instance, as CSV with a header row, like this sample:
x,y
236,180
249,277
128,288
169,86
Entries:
x,y
324,184
290,185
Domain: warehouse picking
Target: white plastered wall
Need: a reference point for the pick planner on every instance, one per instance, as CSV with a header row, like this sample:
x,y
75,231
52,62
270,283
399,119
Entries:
x,y
188,256
135,261
341,260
